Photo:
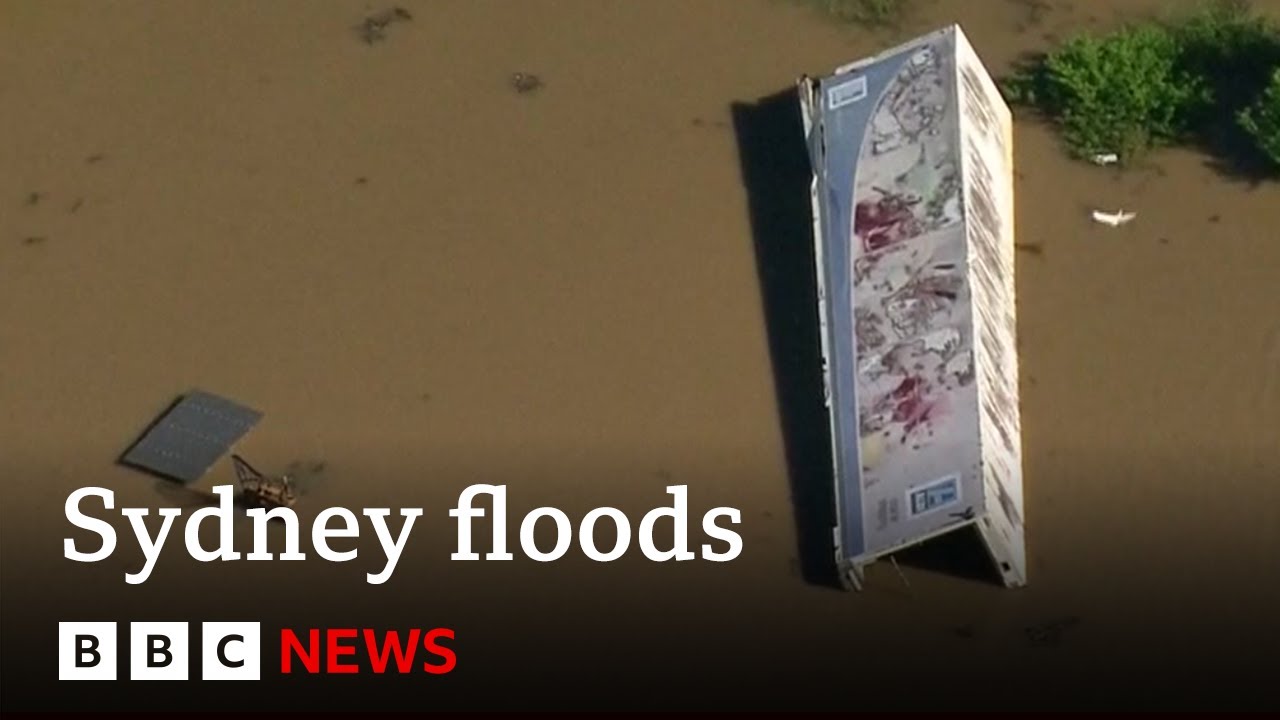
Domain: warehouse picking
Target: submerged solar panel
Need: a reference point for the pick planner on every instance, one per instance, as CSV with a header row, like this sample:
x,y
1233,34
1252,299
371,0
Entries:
x,y
913,223
190,437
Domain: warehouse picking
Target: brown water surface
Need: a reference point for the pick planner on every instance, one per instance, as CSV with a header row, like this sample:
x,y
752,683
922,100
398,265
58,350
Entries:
x,y
426,280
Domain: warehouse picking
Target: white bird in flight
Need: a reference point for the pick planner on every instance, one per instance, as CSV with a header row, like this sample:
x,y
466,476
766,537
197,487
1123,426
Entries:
x,y
1113,219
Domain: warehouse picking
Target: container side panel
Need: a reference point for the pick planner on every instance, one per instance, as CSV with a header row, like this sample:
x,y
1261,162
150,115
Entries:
x,y
846,101
896,302
810,108
917,403
989,206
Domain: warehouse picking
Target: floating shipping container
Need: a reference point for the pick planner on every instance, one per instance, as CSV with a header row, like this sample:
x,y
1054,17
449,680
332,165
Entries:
x,y
912,153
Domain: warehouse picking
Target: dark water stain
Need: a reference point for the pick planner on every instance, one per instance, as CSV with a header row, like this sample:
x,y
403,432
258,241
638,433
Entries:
x,y
1050,634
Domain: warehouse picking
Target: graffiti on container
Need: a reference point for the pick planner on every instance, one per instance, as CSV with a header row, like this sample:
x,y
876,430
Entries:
x,y
909,180
910,294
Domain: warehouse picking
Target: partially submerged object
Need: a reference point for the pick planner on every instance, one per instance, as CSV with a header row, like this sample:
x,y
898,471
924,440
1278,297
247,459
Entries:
x,y
193,434
1106,159
374,28
190,436
1113,219
263,491
524,83
914,237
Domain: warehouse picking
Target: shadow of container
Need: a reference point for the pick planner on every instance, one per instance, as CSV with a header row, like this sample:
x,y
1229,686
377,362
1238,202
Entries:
x,y
776,174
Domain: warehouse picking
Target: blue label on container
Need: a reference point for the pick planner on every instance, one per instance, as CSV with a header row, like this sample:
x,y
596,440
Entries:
x,y
934,496
847,92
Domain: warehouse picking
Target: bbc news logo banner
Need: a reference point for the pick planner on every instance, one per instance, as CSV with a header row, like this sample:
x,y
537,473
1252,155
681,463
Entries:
x,y
234,651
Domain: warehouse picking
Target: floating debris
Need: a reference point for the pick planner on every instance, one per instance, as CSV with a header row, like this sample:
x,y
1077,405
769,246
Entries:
x,y
75,206
1113,219
95,158
901,575
34,198
196,430
374,28
523,82
263,491
1106,159
34,240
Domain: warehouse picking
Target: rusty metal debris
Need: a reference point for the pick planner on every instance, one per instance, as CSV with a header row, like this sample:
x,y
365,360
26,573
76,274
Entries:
x,y
263,491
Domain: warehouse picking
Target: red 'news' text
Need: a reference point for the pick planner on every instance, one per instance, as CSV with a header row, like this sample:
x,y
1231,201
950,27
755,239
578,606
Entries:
x,y
349,650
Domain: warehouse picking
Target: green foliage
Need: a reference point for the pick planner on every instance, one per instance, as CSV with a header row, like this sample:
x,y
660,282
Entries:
x,y
1200,76
865,12
1261,120
1120,93
1235,52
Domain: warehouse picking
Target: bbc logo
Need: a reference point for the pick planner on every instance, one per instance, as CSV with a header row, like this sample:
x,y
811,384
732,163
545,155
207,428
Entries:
x,y
160,651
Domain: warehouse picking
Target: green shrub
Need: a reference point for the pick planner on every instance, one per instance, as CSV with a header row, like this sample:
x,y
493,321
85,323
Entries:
x,y
1123,93
866,12
1209,76
1261,120
1233,50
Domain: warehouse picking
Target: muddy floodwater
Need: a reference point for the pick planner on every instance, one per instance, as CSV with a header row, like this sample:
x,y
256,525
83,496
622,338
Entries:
x,y
553,244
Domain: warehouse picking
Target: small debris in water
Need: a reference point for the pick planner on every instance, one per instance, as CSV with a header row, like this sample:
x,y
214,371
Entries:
x,y
34,198
1030,248
1215,218
374,28
901,576
1050,633
95,158
524,83
75,206
34,240
362,180
1106,159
